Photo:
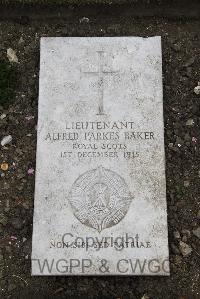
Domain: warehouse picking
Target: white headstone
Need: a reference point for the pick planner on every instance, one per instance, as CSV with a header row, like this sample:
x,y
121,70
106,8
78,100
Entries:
x,y
100,199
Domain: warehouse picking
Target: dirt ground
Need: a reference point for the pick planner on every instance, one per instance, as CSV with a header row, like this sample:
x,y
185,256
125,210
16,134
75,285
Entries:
x,y
181,61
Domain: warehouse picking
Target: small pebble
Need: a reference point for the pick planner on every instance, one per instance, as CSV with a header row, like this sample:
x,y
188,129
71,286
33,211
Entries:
x,y
84,20
21,40
3,116
6,140
4,166
11,54
31,171
30,117
186,184
196,232
190,122
185,249
177,235
194,139
184,238
197,89
3,219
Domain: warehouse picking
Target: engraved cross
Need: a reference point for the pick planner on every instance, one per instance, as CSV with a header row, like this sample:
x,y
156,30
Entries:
x,y
101,73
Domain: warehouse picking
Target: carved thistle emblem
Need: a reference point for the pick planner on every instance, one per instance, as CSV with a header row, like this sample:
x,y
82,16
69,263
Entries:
x,y
100,198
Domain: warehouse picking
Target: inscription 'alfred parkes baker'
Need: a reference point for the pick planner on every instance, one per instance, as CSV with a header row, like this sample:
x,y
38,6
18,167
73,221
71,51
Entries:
x,y
110,130
61,136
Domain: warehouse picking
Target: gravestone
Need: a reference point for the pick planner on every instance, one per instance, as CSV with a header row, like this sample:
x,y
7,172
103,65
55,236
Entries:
x,y
100,198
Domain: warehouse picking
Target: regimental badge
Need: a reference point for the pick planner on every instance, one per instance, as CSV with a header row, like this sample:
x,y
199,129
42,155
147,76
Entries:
x,y
100,198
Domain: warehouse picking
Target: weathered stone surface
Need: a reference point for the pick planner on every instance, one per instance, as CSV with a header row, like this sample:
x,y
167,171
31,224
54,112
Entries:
x,y
100,203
